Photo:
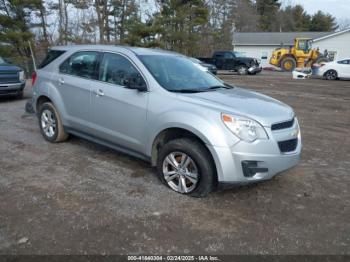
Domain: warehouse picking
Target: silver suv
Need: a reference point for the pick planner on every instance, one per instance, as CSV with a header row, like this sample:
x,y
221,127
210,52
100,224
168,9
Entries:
x,y
159,106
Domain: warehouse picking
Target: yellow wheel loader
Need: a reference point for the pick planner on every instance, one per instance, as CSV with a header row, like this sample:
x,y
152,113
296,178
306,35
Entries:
x,y
300,55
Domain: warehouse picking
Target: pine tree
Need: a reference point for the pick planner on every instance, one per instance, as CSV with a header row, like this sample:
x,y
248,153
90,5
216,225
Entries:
x,y
323,22
15,17
180,22
267,9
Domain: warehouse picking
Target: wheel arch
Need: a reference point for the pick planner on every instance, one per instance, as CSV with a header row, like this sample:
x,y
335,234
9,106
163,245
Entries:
x,y
47,92
40,101
172,133
331,69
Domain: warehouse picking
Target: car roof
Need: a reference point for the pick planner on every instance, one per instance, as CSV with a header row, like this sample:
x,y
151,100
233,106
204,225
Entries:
x,y
136,50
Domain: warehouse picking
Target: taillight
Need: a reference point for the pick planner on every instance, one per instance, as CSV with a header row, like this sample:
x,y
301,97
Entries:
x,y
34,76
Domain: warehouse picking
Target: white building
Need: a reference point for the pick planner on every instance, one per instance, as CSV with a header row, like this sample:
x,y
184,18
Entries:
x,y
261,44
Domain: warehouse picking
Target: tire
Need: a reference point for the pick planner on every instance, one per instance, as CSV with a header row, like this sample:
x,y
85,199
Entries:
x,y
331,75
199,165
49,116
288,64
242,70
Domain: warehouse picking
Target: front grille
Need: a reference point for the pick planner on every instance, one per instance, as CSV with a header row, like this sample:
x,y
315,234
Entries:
x,y
282,125
288,145
9,77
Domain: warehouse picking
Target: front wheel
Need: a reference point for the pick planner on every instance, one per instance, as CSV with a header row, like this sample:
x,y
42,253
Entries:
x,y
242,70
288,64
186,167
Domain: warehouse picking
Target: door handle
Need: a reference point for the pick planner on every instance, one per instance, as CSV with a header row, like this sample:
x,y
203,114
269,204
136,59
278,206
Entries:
x,y
61,81
98,92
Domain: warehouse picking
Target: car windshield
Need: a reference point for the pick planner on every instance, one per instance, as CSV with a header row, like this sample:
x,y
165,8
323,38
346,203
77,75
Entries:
x,y
179,74
2,61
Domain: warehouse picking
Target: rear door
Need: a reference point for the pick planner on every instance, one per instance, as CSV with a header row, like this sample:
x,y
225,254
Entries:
x,y
119,113
74,82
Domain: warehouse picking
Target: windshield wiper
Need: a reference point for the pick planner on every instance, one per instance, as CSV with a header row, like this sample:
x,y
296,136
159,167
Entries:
x,y
218,87
188,90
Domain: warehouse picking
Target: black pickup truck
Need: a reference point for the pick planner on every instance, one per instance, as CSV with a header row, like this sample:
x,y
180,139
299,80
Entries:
x,y
230,60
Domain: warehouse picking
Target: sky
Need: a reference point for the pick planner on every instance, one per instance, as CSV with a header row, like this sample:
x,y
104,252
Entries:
x,y
338,8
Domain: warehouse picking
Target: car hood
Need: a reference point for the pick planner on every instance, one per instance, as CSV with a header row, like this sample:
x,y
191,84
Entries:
x,y
9,68
261,108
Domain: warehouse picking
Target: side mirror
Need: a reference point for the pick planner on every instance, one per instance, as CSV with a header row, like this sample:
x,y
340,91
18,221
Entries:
x,y
136,83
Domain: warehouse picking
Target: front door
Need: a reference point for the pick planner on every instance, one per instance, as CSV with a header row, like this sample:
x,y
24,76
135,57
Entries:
x,y
344,68
119,113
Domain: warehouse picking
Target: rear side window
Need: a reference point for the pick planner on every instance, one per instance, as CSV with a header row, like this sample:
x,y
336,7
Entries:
x,y
51,55
82,64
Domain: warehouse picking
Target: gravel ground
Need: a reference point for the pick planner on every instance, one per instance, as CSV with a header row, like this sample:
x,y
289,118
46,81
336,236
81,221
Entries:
x,y
81,198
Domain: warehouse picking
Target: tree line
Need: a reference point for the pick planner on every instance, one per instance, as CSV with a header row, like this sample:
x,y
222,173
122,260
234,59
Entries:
x,y
192,27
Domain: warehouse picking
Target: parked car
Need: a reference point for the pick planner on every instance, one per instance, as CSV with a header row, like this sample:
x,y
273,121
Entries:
x,y
229,60
12,79
334,70
209,67
197,130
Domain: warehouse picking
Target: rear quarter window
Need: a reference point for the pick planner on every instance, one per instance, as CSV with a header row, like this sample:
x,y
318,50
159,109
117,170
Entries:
x,y
51,56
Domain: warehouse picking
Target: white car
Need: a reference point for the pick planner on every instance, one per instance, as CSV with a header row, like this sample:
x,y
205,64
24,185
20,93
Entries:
x,y
334,70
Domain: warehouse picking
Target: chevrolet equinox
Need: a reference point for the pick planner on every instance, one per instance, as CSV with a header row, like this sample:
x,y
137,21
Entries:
x,y
159,106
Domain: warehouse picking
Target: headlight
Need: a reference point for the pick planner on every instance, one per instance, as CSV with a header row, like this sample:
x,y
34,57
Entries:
x,y
244,128
21,76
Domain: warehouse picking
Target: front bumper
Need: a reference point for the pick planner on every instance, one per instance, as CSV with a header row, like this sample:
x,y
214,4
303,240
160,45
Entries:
x,y
11,88
264,157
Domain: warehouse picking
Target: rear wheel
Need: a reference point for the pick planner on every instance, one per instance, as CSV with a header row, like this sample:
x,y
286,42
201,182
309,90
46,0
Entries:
x,y
288,64
331,75
186,167
50,124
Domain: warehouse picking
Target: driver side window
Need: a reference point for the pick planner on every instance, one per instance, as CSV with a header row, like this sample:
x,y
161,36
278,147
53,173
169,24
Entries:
x,y
228,55
116,69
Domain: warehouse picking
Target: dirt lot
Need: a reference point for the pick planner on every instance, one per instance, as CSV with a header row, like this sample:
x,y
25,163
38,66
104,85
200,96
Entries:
x,y
81,198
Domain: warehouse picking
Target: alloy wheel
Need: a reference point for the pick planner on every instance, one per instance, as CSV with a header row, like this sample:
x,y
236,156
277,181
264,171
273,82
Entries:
x,y
48,123
331,75
180,172
242,70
